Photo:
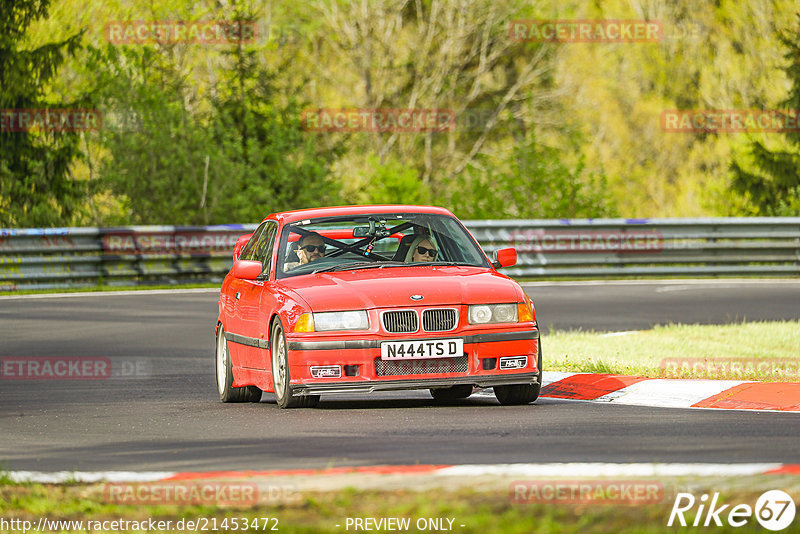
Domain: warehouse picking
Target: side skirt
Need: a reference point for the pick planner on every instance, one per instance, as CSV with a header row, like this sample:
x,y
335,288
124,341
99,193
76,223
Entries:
x,y
243,376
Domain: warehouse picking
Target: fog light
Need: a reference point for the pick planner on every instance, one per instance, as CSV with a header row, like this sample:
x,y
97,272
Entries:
x,y
326,371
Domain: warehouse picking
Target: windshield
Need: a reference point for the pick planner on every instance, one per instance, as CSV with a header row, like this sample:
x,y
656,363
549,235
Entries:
x,y
379,240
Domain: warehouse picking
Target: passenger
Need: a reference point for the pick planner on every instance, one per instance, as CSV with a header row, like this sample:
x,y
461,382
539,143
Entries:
x,y
422,250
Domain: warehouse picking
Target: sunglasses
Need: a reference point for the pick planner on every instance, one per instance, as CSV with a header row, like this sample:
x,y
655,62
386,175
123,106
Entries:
x,y
312,248
429,251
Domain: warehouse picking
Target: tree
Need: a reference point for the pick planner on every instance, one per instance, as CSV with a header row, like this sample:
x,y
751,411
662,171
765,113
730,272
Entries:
x,y
235,153
537,184
772,184
36,186
156,147
433,54
271,163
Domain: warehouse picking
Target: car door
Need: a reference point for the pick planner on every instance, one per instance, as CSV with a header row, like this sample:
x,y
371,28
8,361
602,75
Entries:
x,y
253,318
232,306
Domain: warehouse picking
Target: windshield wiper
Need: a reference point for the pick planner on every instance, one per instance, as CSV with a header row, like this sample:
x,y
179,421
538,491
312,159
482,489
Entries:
x,y
359,265
445,263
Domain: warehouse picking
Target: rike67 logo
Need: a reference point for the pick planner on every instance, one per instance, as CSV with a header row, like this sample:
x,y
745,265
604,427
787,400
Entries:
x,y
774,510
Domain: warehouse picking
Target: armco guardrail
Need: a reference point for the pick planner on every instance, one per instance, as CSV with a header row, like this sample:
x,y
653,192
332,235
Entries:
x,y
646,247
135,255
573,248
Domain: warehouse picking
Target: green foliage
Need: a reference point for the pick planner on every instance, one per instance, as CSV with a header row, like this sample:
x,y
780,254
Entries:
x,y
394,183
537,185
272,164
36,186
242,159
201,134
155,147
771,179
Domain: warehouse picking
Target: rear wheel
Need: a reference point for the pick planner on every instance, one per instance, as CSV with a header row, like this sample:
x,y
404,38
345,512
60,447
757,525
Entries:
x,y
280,373
517,394
228,393
452,393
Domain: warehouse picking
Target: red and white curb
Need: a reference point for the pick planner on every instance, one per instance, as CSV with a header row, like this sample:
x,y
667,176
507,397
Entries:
x,y
544,470
673,392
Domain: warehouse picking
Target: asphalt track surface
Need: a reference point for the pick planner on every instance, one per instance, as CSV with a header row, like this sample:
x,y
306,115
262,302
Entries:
x,y
170,418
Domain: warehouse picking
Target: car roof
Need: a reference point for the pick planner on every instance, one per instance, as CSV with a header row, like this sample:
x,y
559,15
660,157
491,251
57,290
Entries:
x,y
336,211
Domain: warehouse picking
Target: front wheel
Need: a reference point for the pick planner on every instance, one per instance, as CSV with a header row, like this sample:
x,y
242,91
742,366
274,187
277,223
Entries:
x,y
228,393
517,394
280,373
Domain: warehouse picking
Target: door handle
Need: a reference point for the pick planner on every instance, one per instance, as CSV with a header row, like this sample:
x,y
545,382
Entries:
x,y
238,295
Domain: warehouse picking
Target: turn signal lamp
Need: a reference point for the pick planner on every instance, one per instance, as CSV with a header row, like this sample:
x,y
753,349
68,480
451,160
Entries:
x,y
524,312
305,323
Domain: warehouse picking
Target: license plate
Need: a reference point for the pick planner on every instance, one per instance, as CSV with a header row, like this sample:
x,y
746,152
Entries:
x,y
412,350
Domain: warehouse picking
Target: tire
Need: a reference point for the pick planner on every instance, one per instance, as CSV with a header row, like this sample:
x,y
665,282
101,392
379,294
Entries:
x,y
280,373
228,393
451,394
517,394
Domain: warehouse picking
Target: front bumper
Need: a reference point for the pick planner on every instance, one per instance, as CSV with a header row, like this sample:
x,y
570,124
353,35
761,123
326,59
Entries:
x,y
363,371
407,384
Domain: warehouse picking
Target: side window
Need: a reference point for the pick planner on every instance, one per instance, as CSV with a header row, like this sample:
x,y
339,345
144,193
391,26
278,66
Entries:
x,y
264,247
249,248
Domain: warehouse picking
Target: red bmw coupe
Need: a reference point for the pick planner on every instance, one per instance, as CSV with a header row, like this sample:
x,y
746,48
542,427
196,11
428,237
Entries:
x,y
360,299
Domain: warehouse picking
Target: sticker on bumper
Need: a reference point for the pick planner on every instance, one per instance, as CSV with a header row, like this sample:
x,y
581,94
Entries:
x,y
327,371
514,362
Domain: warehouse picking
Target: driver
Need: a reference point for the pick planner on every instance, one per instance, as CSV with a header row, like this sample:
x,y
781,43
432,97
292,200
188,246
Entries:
x,y
310,247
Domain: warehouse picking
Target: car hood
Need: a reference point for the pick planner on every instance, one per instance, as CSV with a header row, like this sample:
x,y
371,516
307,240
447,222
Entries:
x,y
394,286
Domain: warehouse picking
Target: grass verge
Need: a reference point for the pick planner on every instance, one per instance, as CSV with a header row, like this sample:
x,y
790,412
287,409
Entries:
x,y
762,351
462,511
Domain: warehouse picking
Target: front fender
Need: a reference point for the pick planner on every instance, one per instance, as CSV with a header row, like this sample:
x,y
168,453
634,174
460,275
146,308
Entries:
x,y
289,306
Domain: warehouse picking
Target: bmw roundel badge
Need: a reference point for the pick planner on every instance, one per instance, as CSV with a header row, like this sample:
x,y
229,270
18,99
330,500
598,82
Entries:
x,y
416,297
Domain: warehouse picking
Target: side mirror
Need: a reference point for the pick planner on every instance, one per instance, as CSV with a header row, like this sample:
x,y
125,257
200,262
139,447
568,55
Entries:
x,y
505,257
240,243
247,269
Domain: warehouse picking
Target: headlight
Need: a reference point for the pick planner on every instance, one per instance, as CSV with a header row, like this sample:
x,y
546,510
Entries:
x,y
493,313
341,320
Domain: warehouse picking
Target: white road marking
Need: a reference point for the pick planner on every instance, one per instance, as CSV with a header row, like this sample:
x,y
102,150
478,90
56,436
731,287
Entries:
x,y
608,470
112,293
623,333
58,477
548,377
668,393
681,282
